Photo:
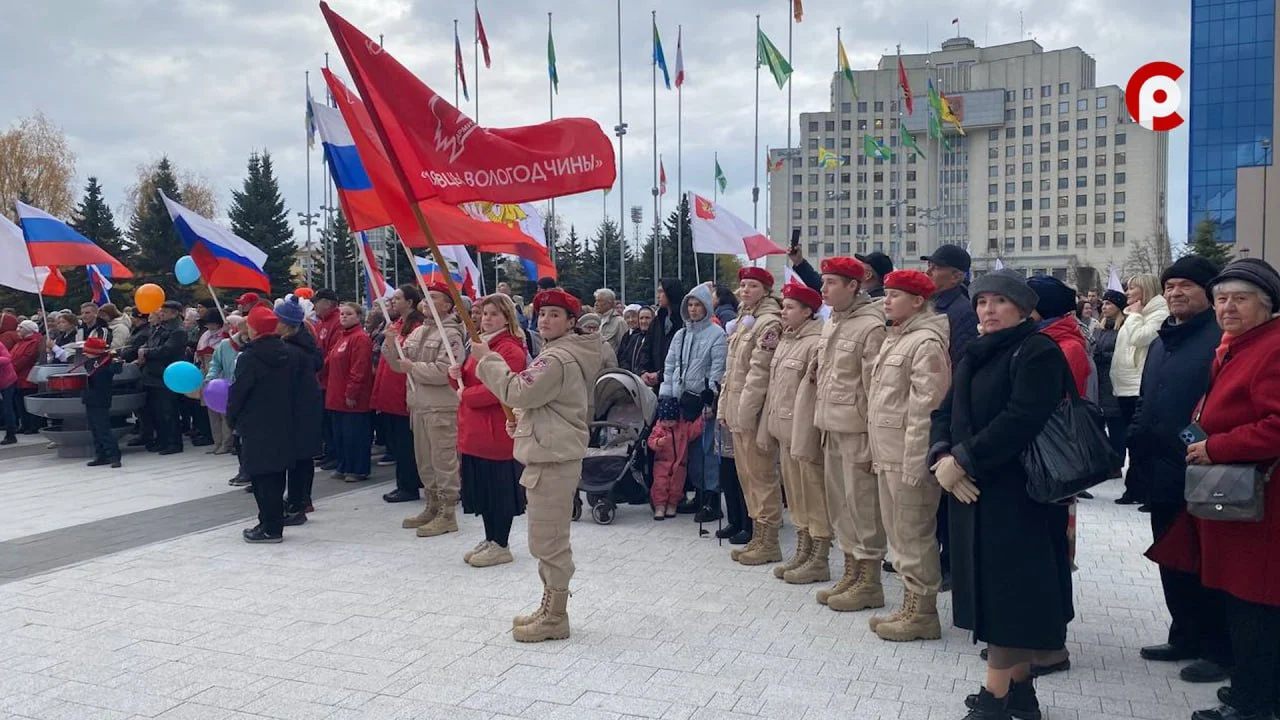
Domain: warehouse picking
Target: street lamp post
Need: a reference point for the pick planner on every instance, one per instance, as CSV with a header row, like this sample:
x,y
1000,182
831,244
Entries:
x,y
307,220
1266,165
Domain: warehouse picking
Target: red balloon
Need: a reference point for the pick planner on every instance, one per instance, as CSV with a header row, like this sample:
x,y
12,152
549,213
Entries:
x,y
304,293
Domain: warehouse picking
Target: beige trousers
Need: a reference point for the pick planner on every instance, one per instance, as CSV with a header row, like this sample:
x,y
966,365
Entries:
x,y
550,489
911,519
853,498
758,472
435,450
223,439
806,495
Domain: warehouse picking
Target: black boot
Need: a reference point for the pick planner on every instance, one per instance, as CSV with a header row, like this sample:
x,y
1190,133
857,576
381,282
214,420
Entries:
x,y
1021,704
987,707
10,437
734,504
710,510
744,535
689,507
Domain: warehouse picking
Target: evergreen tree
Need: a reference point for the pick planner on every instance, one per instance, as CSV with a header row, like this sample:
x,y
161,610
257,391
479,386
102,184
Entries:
x,y
347,270
94,220
603,256
258,215
153,236
571,265
1204,242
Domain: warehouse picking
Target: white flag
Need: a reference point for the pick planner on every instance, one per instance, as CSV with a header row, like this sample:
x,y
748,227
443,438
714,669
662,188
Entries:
x,y
1113,281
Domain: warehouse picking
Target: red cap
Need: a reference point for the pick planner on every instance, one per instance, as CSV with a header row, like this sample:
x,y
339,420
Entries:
x,y
912,281
556,297
249,299
95,346
263,321
803,294
760,275
846,267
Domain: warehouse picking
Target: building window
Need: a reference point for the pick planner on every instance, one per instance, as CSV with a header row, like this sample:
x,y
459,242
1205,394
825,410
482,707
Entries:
x,y
1046,109
1120,178
1102,102
911,193
797,197
1046,128
1010,133
911,176
1099,239
1119,198
813,231
877,211
1117,238
1100,199
1045,166
1100,180
1063,107
878,229
1028,149
993,207
813,213
844,213
1044,185
828,230
1064,201
846,125
879,106
829,213
813,126
1119,216
1010,169
1026,242
1082,201
1082,143
829,248
1028,112
1010,223
1100,161
1044,146
813,161
879,123
1026,186
878,176
1044,221
993,189
813,143
1120,158
1064,88
1082,161
1082,104
1064,164
1100,122
1100,217
813,196
1082,123
993,243
1010,96
1026,203
1028,93
829,143
993,152
1082,181
1010,205
1044,242
862,123
1010,114
862,176
846,107
993,135
813,178
1064,183
862,107
1027,129
830,125
1064,145
797,214
993,224
1011,188
1010,150
1026,221
1121,138
878,194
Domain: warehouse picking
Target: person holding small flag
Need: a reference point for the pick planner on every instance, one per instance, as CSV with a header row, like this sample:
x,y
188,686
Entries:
x,y
101,366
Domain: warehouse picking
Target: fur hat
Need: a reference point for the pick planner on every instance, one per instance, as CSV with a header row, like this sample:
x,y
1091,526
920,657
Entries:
x,y
1009,283
760,275
802,294
845,267
556,297
911,281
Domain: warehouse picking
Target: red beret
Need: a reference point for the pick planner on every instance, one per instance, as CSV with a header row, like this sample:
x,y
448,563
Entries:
x,y
760,275
912,281
847,267
249,299
440,288
95,346
556,297
803,294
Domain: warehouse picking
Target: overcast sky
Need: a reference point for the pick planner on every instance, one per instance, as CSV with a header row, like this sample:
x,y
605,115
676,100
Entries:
x,y
206,82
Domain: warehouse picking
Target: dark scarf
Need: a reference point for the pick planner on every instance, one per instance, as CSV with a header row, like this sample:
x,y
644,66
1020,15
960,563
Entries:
x,y
985,347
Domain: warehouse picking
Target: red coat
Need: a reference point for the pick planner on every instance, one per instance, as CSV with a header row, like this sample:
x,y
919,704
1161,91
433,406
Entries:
x,y
1242,419
482,425
1065,331
8,331
389,385
326,331
350,371
25,354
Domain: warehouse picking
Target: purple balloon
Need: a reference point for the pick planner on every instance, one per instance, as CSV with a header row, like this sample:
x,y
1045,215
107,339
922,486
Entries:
x,y
216,394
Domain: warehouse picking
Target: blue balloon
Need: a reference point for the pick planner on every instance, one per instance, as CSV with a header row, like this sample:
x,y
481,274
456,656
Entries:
x,y
183,377
186,271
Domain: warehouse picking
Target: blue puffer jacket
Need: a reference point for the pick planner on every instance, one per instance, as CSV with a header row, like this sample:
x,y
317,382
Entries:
x,y
695,361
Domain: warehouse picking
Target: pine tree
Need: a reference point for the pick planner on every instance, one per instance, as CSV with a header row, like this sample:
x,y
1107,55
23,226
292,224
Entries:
x,y
347,270
258,215
1204,242
153,236
94,220
570,265
603,256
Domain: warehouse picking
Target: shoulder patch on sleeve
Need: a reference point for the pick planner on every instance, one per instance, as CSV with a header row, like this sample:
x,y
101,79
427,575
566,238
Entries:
x,y
769,340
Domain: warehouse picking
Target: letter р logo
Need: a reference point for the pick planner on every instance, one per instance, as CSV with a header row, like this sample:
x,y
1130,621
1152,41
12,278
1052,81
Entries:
x,y
1152,96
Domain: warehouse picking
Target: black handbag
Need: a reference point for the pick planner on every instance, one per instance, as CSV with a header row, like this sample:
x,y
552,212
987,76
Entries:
x,y
1234,493
691,403
1072,453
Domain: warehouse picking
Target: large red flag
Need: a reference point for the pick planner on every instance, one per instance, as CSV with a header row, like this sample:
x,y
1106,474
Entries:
x,y
906,87
443,153
450,225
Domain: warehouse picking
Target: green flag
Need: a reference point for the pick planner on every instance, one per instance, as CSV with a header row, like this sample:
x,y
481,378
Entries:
x,y
909,141
551,62
767,54
721,180
875,149
845,70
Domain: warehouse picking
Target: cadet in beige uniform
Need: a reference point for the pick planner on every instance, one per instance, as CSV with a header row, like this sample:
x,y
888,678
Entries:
x,y
908,382
789,422
849,346
433,414
746,383
550,404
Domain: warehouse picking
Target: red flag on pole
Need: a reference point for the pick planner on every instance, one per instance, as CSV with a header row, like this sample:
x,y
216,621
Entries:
x,y
662,178
906,86
484,39
444,153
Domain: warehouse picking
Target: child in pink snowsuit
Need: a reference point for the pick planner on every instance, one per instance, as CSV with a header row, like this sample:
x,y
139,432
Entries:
x,y
669,442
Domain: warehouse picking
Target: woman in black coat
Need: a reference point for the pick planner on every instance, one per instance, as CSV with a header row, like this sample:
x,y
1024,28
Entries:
x,y
668,320
308,435
1010,572
261,409
1104,349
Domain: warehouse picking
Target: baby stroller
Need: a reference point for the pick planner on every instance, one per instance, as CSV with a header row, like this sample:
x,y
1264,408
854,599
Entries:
x,y
613,471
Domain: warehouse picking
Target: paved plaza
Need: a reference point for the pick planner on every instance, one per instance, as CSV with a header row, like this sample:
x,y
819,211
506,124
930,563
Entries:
x,y
129,594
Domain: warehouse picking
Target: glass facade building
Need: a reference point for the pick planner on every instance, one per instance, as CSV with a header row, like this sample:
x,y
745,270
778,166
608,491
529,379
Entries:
x,y
1232,87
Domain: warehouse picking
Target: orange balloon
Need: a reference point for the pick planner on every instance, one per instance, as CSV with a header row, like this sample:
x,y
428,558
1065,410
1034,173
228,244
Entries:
x,y
148,298
304,293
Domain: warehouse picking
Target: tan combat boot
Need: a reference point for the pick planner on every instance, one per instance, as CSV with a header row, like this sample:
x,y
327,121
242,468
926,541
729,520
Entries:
x,y
749,547
445,521
866,592
850,575
522,620
768,551
817,568
428,514
918,621
804,548
552,624
877,620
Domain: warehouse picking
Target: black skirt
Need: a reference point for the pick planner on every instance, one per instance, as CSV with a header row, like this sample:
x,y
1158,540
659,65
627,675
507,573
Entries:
x,y
491,487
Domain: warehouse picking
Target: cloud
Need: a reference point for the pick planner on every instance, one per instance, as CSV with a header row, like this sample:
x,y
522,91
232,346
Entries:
x,y
206,82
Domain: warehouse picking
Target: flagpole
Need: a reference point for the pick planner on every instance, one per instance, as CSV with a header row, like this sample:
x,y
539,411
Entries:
x,y
551,109
657,241
902,171
455,69
755,181
330,272
680,159
475,21
791,24
839,146
310,260
216,302
622,182
382,304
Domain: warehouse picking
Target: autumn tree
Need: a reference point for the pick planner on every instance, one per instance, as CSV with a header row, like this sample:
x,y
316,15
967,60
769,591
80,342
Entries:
x,y
36,162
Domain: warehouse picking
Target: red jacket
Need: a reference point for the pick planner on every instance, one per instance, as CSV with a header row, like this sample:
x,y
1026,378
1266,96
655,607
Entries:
x,y
1065,331
1242,419
389,385
8,376
8,331
482,425
350,371
326,331
25,354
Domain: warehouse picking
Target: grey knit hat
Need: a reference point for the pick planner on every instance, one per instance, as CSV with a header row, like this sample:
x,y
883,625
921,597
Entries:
x,y
1009,283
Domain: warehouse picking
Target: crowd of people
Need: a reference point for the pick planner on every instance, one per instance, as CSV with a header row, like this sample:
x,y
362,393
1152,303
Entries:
x,y
886,411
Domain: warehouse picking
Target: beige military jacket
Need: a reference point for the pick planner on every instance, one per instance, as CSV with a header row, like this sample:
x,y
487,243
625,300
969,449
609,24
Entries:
x,y
746,371
424,348
908,381
850,343
549,398
792,394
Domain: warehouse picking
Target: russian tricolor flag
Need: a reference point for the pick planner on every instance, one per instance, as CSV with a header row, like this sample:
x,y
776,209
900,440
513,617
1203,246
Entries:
x,y
355,189
373,277
431,273
16,270
51,242
99,284
225,260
